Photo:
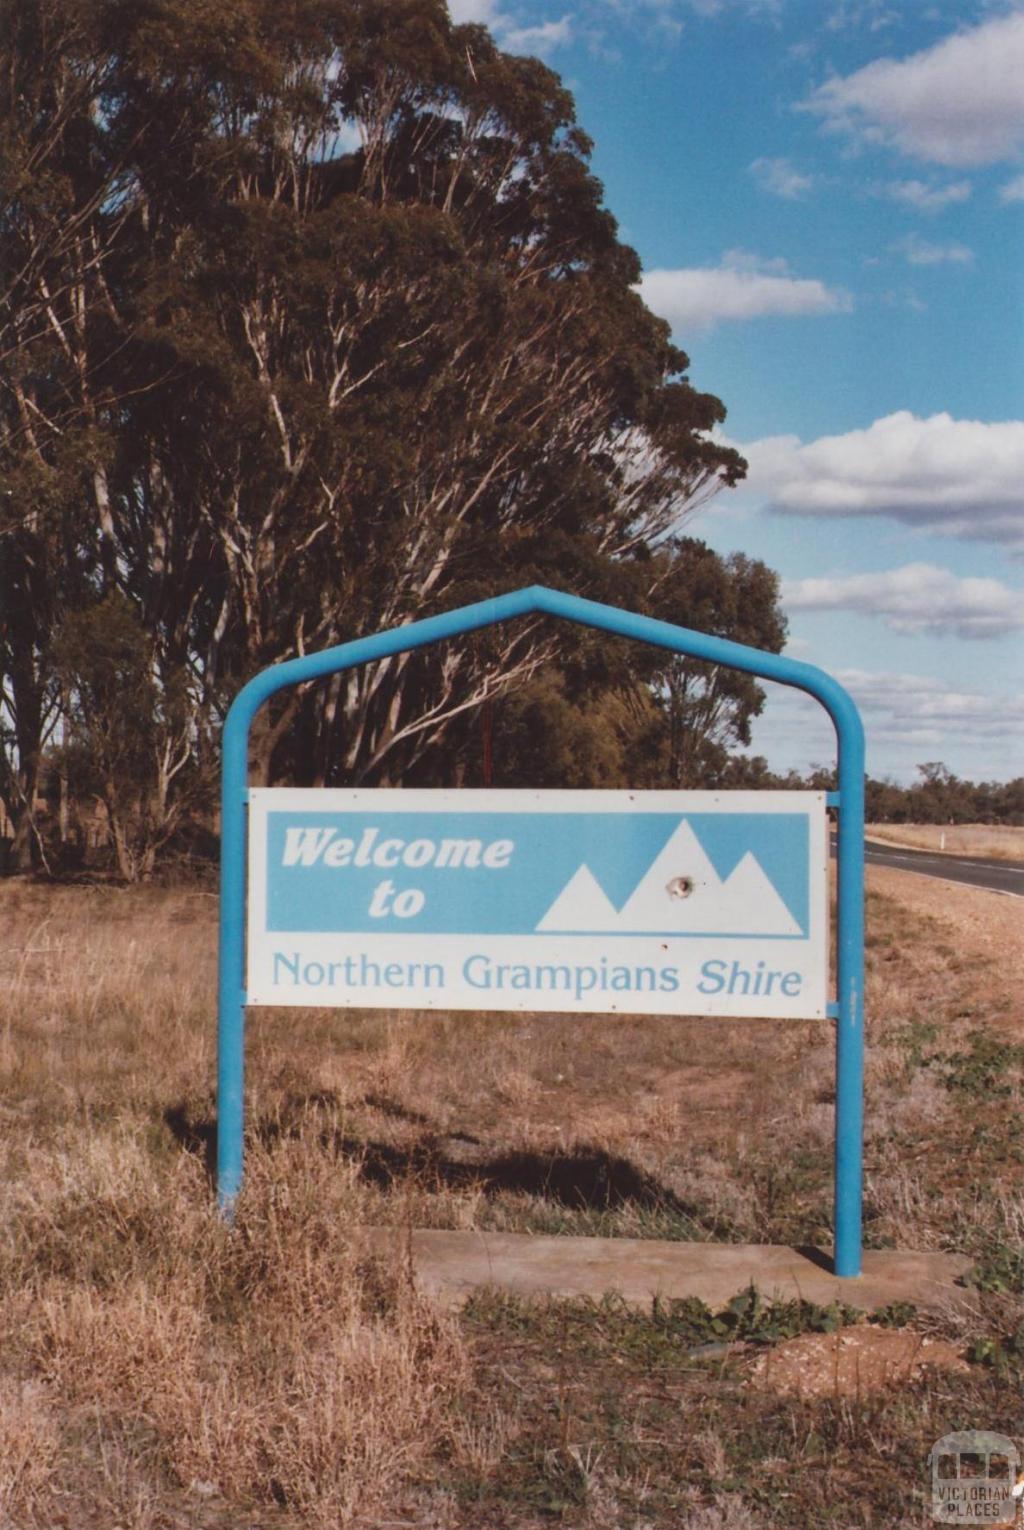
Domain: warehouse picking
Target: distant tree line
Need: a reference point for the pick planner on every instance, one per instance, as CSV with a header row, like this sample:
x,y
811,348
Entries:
x,y
313,322
939,797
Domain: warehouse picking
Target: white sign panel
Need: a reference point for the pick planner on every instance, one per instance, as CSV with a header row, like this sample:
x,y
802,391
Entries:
x,y
691,903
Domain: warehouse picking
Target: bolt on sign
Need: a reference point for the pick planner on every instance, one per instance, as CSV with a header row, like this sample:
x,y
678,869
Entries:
x,y
696,903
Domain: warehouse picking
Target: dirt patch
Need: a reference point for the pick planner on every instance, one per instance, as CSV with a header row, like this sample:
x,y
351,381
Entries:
x,y
851,1362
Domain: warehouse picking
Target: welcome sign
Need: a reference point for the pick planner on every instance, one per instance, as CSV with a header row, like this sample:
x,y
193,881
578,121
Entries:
x,y
631,902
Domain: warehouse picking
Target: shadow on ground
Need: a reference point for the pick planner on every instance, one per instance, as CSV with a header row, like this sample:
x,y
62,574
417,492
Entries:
x,y
583,1179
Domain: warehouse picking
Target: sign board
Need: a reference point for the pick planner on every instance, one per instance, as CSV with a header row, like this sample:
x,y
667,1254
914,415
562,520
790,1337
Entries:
x,y
664,902
694,903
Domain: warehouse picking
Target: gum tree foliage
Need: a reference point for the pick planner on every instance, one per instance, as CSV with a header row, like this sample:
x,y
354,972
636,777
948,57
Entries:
x,y
627,715
312,322
706,710
136,760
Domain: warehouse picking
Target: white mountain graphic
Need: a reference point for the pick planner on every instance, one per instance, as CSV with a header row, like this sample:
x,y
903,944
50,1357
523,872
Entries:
x,y
745,903
581,905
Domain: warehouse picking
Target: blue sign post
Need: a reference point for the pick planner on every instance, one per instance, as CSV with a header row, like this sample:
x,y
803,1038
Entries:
x,y
848,1010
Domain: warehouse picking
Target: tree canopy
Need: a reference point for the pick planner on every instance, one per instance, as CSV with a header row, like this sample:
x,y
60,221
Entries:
x,y
312,322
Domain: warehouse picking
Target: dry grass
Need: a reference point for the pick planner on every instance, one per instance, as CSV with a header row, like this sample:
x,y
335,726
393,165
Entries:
x,y
993,841
157,1357
159,1370
151,1357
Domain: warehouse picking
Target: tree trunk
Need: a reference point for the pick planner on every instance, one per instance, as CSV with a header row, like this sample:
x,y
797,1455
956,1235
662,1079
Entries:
x,y
62,821
23,843
25,854
118,837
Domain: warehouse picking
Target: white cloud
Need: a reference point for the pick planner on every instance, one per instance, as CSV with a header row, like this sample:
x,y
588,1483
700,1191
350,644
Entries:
x,y
959,478
873,15
781,178
1013,191
482,11
742,287
919,252
926,198
738,259
768,9
536,39
958,103
924,711
916,598
907,718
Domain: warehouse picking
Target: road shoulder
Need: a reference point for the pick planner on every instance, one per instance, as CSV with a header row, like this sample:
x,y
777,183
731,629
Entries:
x,y
981,922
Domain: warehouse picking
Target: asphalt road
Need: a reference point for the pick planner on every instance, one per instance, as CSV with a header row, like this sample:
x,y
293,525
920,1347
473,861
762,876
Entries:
x,y
974,870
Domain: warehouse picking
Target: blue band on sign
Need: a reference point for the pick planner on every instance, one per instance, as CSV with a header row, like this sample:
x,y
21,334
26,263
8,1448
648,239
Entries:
x,y
322,868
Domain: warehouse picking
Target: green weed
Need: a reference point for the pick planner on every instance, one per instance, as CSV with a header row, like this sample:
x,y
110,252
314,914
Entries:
x,y
987,1068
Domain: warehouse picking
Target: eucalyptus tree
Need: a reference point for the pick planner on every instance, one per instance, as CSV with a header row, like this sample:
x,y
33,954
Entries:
x,y
315,322
416,368
65,201
707,709
617,714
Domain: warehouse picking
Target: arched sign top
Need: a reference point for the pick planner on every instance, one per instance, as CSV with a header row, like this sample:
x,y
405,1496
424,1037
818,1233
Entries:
x,y
537,599
534,600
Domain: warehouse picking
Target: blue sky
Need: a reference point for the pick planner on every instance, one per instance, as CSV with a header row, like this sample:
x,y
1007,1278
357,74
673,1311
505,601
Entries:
x,y
828,200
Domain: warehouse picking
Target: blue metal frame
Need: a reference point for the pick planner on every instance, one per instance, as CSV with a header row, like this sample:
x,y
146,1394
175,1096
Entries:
x,y
849,1008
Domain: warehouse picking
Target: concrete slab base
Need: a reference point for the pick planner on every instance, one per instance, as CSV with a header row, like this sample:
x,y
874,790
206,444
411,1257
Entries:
x,y
448,1266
